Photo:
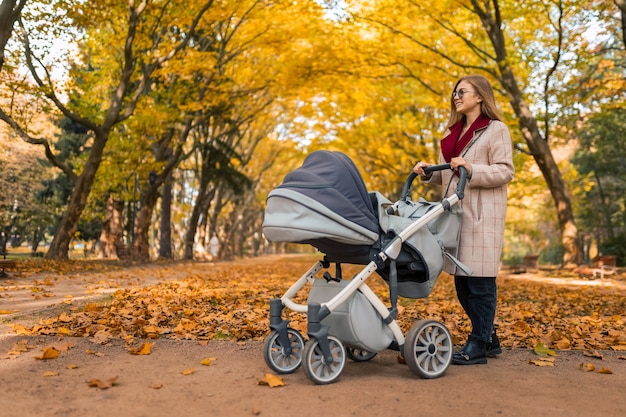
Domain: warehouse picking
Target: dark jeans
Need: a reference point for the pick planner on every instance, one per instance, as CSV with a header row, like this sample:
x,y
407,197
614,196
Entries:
x,y
478,296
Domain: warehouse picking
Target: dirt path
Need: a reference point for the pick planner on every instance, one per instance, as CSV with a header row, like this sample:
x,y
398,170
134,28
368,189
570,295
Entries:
x,y
154,385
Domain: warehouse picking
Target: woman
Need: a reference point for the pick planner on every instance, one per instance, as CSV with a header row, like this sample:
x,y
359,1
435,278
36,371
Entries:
x,y
478,140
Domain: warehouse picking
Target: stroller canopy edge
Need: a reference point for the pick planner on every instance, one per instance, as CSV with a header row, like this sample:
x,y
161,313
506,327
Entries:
x,y
294,217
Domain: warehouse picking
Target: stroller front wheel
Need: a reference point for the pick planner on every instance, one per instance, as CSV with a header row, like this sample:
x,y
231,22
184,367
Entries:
x,y
315,366
428,349
274,352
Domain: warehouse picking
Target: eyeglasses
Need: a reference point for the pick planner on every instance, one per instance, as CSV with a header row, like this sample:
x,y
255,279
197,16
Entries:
x,y
461,93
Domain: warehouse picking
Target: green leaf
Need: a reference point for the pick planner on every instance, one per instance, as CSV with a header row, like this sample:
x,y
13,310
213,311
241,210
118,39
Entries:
x,y
542,350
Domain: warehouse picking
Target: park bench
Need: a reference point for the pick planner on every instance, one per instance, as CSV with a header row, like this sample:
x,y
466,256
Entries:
x,y
603,270
6,263
604,265
531,262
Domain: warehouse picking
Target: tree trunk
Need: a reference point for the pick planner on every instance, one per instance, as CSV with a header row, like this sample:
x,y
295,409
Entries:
x,y
10,11
622,7
142,223
165,229
545,161
112,228
201,207
537,145
34,245
59,247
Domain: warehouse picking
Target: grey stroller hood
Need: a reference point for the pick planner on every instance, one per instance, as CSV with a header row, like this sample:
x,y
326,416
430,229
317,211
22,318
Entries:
x,y
323,199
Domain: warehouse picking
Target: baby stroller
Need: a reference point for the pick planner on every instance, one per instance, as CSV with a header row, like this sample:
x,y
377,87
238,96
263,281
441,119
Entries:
x,y
324,203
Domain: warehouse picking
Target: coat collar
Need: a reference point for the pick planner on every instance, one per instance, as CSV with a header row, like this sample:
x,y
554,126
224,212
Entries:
x,y
453,144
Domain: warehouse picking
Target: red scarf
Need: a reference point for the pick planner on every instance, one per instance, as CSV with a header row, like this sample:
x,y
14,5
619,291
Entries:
x,y
452,145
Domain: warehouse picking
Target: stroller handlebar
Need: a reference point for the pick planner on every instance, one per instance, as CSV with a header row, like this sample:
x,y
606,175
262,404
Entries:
x,y
460,188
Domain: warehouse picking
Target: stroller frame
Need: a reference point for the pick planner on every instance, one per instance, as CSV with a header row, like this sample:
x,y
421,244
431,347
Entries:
x,y
427,348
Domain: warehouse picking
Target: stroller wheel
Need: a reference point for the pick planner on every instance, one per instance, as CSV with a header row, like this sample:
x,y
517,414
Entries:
x,y
428,349
275,356
360,355
316,368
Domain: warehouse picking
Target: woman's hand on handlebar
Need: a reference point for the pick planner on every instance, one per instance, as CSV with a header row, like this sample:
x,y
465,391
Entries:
x,y
457,162
419,168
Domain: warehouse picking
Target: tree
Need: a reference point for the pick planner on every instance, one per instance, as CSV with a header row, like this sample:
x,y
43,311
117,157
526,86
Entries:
x,y
24,211
603,186
149,41
467,50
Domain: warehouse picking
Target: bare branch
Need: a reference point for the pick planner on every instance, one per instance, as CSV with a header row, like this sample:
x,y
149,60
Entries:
x,y
558,27
47,86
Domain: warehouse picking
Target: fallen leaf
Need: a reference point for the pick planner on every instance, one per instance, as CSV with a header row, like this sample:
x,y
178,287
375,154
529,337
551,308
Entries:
x,y
141,350
18,348
64,331
156,386
542,361
604,370
7,311
208,361
563,344
541,350
188,371
51,373
72,366
593,354
63,347
49,353
272,380
102,337
96,383
589,367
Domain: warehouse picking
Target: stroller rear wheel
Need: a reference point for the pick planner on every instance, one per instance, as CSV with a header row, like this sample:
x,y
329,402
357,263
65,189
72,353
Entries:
x,y
428,349
315,366
274,352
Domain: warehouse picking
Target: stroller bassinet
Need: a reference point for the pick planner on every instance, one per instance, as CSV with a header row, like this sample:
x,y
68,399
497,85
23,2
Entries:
x,y
325,203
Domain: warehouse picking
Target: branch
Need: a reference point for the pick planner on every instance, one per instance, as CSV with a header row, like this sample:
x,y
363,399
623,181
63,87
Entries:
x,y
147,70
48,86
436,51
38,141
558,26
484,55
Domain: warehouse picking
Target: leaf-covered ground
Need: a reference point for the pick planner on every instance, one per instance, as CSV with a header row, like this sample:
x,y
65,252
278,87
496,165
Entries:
x,y
230,300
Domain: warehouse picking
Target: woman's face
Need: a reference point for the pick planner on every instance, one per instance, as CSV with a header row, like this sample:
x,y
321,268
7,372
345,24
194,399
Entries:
x,y
465,98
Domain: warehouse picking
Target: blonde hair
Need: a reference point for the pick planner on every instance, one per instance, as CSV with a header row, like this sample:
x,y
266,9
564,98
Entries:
x,y
484,90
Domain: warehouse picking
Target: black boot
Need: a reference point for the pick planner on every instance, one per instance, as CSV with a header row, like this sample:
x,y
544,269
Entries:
x,y
493,346
474,352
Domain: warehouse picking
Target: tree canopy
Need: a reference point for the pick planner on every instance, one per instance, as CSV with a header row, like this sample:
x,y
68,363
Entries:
x,y
191,112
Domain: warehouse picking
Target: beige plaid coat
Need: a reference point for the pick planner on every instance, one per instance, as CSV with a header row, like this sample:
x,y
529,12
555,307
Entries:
x,y
484,205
